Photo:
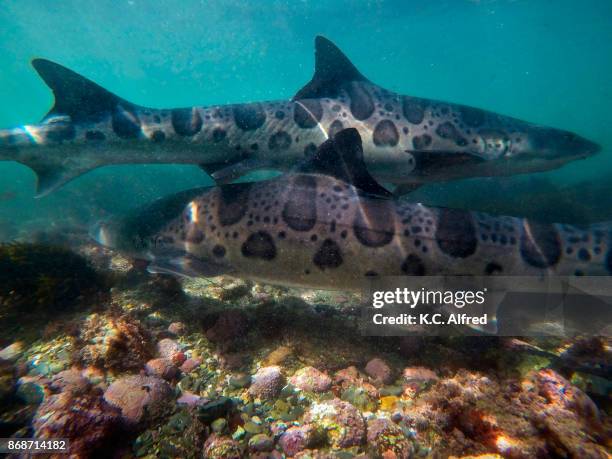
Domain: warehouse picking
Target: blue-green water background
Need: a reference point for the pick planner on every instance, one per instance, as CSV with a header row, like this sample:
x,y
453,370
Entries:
x,y
547,62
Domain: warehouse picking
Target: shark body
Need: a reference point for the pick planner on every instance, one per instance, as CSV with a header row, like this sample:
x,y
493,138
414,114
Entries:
x,y
331,225
407,140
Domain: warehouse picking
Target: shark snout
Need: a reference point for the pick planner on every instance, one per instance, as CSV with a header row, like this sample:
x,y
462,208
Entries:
x,y
558,144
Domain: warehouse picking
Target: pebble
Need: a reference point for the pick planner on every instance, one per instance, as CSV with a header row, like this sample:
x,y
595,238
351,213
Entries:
x,y
240,381
296,439
267,382
12,351
190,364
31,389
379,370
219,425
310,379
177,328
261,443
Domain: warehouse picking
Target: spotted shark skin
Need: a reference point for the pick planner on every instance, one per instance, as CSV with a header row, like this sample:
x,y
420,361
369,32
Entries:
x,y
407,140
314,230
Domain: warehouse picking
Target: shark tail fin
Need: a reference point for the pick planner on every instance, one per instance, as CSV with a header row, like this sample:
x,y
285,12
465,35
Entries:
x,y
75,95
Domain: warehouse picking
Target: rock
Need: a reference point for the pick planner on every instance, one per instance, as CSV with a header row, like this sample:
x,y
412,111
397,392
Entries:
x,y
296,439
219,425
310,379
261,443
267,382
70,380
419,375
161,367
240,380
384,437
140,398
87,421
190,364
167,348
230,324
177,328
215,409
342,423
379,370
279,355
190,399
217,447
31,389
12,351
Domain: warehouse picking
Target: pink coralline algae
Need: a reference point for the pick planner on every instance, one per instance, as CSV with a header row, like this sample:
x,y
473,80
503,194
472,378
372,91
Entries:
x,y
310,379
140,398
267,382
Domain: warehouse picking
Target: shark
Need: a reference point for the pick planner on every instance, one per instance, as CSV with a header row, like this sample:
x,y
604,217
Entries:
x,y
407,141
331,225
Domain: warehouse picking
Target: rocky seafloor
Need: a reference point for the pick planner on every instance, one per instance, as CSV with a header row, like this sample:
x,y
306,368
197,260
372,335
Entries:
x,y
127,364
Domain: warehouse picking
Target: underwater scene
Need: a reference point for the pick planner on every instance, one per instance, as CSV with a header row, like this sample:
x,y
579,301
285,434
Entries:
x,y
306,229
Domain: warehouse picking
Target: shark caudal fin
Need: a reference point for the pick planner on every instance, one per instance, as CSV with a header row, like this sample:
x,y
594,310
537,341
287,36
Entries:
x,y
76,96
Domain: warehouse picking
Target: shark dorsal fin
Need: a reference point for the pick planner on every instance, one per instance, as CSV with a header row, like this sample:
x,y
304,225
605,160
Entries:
x,y
332,68
342,157
75,95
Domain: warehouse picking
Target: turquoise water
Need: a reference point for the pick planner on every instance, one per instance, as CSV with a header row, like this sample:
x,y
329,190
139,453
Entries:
x,y
546,62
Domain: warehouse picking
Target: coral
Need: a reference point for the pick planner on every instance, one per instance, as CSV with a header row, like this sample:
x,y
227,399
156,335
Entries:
x,y
310,379
385,437
267,382
217,447
341,422
37,275
296,439
115,343
141,399
86,419
161,367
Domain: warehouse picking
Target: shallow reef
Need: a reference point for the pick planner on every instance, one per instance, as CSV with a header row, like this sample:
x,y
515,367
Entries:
x,y
224,368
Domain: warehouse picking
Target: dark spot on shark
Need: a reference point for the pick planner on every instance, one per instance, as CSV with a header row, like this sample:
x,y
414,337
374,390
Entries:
x,y
373,224
334,128
421,141
233,203
307,113
461,141
413,109
279,141
158,137
362,105
218,251
259,245
328,256
413,266
471,116
249,117
218,134
371,274
95,136
125,123
310,150
584,255
186,121
456,233
385,134
60,132
300,210
493,268
540,245
447,130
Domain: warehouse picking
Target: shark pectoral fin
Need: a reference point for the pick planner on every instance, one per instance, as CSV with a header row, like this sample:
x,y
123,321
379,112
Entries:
x,y
406,188
75,95
227,174
342,157
187,266
49,177
332,68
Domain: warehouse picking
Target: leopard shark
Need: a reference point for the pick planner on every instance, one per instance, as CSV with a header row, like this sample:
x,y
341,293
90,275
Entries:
x,y
331,225
407,140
